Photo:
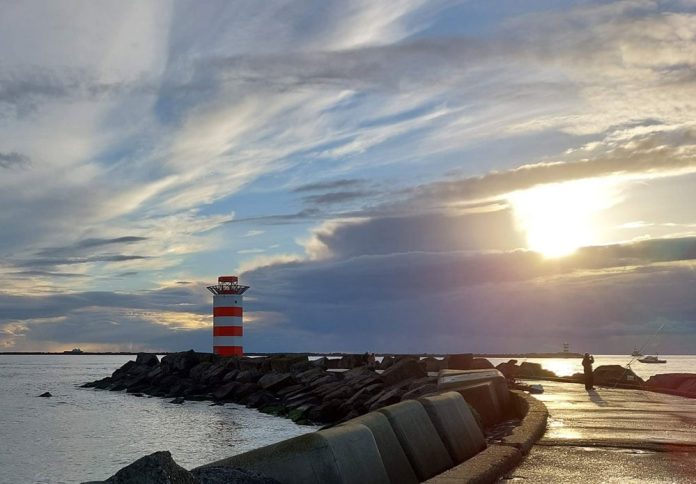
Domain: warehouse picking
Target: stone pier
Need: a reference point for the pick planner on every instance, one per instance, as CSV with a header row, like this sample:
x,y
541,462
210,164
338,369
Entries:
x,y
612,435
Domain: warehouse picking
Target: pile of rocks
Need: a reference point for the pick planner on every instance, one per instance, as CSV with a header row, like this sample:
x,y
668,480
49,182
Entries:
x,y
160,468
526,370
684,383
290,386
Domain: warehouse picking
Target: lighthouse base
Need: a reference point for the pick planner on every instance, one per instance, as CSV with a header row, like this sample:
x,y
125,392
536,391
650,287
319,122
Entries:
x,y
228,350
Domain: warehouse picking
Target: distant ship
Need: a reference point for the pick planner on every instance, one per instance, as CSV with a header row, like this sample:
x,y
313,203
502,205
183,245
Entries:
x,y
74,351
652,359
636,352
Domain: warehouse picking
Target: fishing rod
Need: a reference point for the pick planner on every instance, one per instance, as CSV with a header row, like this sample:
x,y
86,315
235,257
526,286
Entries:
x,y
634,358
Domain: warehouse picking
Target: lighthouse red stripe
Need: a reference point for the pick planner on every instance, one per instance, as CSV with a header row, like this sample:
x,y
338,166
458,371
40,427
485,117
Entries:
x,y
227,311
228,350
228,331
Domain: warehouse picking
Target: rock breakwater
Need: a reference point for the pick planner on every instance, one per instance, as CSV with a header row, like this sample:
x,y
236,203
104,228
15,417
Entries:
x,y
308,392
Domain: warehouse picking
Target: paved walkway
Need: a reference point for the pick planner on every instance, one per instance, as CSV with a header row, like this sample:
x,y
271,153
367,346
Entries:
x,y
613,436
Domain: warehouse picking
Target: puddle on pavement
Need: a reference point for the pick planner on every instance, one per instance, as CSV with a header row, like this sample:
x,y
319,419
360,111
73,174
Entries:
x,y
618,450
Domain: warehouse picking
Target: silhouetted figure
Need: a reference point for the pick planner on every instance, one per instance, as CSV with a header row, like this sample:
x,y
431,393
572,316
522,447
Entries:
x,y
587,361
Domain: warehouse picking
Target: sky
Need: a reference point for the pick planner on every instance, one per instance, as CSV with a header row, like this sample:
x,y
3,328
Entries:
x,y
387,176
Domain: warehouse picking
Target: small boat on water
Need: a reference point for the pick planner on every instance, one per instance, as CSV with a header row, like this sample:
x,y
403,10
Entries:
x,y
651,359
636,352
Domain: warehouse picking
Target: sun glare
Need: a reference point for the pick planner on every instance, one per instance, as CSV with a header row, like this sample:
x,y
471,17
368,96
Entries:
x,y
560,218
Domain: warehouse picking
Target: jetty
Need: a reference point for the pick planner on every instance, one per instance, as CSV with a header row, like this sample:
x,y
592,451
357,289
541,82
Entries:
x,y
622,435
409,420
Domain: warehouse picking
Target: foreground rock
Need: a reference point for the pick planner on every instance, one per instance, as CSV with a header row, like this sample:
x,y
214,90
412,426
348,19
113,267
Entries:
x,y
160,468
157,468
526,370
616,374
680,382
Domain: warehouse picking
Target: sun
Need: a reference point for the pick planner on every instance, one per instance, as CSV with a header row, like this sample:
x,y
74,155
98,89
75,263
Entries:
x,y
560,218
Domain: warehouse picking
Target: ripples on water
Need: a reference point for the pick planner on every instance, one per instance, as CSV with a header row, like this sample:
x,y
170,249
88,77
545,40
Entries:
x,y
85,434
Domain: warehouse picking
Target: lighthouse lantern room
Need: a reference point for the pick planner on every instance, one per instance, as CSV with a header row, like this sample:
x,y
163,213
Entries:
x,y
227,316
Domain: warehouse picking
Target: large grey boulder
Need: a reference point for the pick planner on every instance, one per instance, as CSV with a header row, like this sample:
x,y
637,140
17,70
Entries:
x,y
354,361
275,381
670,381
284,363
613,374
688,386
481,364
146,359
157,468
433,364
460,361
533,370
403,370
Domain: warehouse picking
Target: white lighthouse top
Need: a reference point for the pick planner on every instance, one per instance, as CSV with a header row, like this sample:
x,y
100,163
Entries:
x,y
228,285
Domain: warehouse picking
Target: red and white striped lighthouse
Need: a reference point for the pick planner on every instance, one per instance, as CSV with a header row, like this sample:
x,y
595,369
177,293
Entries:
x,y
227,316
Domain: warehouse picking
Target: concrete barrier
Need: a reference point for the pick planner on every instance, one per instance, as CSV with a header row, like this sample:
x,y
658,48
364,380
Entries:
x,y
408,442
533,414
485,467
418,437
394,459
456,379
345,454
498,459
455,424
484,399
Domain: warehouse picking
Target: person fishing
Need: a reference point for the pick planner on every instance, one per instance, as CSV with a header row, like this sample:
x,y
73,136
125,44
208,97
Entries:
x,y
587,362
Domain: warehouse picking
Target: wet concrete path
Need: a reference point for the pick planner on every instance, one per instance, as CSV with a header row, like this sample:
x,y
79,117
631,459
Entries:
x,y
613,436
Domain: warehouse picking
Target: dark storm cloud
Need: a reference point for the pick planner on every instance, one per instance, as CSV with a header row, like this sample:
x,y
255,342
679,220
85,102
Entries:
x,y
388,285
454,302
13,159
432,232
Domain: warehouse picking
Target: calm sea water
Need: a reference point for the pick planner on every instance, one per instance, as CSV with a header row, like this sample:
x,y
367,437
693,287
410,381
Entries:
x,y
85,434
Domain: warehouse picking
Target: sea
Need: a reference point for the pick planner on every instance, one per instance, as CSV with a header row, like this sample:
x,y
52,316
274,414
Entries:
x,y
84,434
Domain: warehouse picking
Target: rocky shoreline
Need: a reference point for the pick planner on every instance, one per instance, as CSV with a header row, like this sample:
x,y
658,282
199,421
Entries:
x,y
328,391
308,392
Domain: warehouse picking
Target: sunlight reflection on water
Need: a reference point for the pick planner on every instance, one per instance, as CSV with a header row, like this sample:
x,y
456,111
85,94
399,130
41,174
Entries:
x,y
569,366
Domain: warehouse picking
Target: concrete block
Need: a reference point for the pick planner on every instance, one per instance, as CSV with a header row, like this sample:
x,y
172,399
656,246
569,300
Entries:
x,y
534,416
455,424
455,379
346,454
393,457
485,467
484,399
418,437
448,379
